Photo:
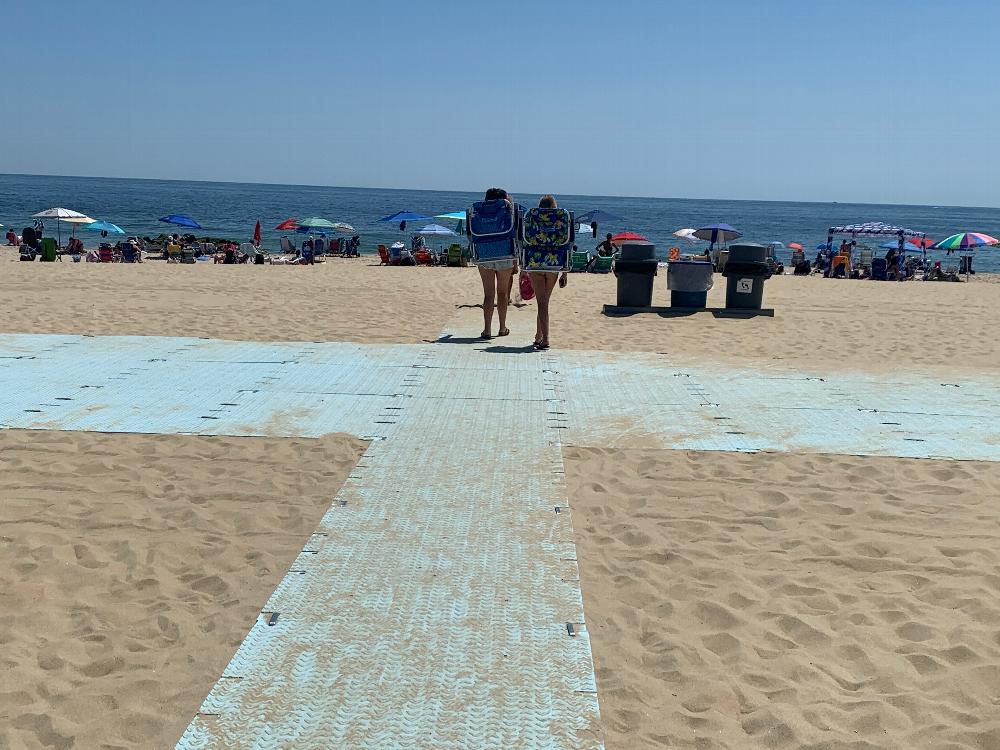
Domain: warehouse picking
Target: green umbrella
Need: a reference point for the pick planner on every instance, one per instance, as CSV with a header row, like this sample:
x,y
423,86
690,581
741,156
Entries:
x,y
315,222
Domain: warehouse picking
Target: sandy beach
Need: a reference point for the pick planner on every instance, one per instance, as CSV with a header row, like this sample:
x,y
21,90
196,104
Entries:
x,y
821,323
734,601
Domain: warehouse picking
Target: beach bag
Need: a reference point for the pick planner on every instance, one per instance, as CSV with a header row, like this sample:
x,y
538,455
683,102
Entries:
x,y
527,290
492,228
547,236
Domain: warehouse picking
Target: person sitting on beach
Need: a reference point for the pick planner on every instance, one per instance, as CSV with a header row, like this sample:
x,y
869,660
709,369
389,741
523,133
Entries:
x,y
606,248
12,238
892,263
543,282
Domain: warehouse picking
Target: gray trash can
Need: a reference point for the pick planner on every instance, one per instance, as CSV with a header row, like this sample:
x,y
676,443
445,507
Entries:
x,y
745,272
635,268
689,282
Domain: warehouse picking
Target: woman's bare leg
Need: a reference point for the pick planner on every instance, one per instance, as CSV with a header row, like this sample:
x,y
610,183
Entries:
x,y
503,283
543,284
488,277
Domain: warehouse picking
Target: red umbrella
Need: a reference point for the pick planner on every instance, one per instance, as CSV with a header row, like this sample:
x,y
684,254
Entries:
x,y
921,242
628,237
256,234
288,225
795,246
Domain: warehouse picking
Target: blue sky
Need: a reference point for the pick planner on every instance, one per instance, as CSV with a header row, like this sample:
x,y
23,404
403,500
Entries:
x,y
846,101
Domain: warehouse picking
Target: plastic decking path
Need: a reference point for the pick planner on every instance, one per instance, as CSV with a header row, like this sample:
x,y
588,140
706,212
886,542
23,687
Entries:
x,y
438,603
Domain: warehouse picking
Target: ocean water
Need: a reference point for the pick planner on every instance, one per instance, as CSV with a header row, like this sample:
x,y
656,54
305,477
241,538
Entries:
x,y
227,209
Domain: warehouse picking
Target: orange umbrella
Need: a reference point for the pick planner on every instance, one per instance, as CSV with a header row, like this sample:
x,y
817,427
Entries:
x,y
795,246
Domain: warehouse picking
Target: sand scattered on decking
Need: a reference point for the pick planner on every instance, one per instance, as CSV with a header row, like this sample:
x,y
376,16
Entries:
x,y
131,568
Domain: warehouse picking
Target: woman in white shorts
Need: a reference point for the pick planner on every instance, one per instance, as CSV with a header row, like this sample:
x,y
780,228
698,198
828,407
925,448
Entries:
x,y
497,277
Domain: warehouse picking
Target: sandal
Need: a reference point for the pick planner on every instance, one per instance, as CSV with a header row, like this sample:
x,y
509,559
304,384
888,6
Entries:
x,y
485,335
503,332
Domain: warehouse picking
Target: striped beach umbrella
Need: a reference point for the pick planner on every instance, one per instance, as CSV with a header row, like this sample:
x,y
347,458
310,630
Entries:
x,y
965,241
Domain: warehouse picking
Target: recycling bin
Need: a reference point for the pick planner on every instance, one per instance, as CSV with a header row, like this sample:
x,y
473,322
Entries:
x,y
746,271
689,282
635,268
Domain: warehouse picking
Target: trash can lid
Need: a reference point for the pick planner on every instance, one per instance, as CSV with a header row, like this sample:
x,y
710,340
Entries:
x,y
681,262
747,251
638,250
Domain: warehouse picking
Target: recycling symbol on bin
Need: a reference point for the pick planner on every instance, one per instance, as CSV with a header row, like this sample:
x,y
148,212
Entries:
x,y
744,286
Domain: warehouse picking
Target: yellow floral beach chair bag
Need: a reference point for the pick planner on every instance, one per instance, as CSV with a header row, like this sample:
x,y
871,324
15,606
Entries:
x,y
547,236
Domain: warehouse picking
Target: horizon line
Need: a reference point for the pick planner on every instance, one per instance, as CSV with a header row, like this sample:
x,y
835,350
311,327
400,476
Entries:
x,y
454,190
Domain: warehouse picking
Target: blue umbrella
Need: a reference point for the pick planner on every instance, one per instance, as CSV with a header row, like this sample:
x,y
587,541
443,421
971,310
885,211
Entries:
x,y
104,226
180,220
895,246
405,216
598,215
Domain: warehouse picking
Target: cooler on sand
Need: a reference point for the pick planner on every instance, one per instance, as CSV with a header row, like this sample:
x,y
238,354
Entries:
x,y
745,273
635,269
689,282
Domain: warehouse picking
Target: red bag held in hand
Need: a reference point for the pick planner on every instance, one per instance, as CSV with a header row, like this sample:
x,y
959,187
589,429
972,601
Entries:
x,y
524,281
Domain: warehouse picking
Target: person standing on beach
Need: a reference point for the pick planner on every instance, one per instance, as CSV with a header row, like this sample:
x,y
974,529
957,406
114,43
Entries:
x,y
543,282
497,277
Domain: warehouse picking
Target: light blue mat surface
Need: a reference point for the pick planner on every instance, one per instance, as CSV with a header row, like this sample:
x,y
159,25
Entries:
x,y
438,603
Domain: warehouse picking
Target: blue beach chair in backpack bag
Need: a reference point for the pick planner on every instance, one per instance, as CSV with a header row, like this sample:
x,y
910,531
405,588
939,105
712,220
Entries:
x,y
547,236
492,228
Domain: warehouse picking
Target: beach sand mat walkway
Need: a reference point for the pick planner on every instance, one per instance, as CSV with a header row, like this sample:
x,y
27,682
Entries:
x,y
438,603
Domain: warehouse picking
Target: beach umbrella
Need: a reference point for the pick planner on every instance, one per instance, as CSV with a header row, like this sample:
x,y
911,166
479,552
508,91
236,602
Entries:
x,y
437,229
287,225
181,220
795,246
775,244
685,234
104,226
405,216
922,242
344,227
965,241
717,233
315,222
598,215
256,234
453,215
628,237
895,246
60,213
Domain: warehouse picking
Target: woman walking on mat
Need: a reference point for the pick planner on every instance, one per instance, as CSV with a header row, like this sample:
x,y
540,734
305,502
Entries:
x,y
543,282
497,277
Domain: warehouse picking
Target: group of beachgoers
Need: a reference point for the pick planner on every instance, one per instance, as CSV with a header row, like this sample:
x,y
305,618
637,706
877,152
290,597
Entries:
x,y
497,277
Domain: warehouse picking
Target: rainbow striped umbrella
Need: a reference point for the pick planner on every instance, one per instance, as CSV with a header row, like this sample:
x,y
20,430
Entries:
x,y
965,241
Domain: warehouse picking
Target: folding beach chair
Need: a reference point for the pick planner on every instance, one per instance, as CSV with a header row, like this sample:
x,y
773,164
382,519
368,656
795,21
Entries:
x,y
50,250
319,246
455,256
865,258
880,269
603,263
106,253
287,247
173,253
130,253
578,261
